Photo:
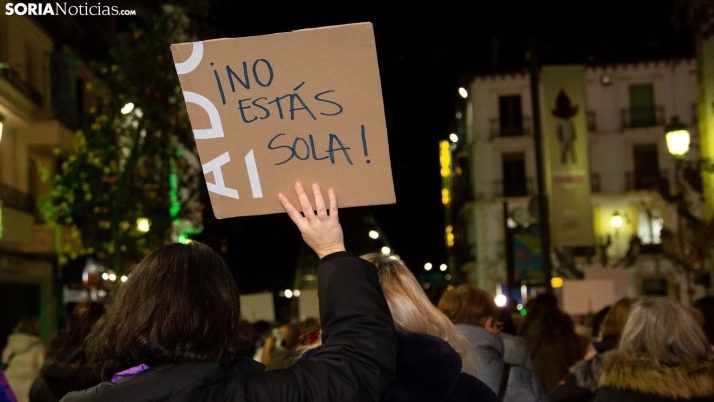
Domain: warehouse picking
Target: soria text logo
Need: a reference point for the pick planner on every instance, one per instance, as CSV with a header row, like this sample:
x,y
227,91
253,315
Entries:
x,y
63,9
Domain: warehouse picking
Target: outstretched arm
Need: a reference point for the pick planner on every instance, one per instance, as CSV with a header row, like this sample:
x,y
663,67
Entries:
x,y
357,360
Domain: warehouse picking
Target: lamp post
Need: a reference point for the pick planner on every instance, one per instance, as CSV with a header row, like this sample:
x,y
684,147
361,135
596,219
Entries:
x,y
678,138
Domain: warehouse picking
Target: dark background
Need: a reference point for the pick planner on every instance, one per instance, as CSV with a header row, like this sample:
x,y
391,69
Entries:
x,y
425,53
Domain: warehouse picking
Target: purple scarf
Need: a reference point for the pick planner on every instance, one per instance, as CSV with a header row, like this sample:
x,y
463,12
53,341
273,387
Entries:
x,y
130,371
6,387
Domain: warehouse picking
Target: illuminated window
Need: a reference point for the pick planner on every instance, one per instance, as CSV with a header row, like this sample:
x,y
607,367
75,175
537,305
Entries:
x,y
649,226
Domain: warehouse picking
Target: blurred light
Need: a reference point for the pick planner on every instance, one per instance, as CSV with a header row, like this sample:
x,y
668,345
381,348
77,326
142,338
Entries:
x,y
288,293
143,225
454,138
519,306
556,282
105,276
524,312
1,125
445,196
616,220
605,80
393,257
450,288
101,293
138,113
112,277
428,266
511,223
386,250
447,277
677,137
127,108
459,115
374,234
442,267
281,293
445,158
463,92
296,292
124,278
449,236
500,300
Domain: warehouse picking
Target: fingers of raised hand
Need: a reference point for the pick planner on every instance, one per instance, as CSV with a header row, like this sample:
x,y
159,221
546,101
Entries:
x,y
293,213
333,204
319,201
304,202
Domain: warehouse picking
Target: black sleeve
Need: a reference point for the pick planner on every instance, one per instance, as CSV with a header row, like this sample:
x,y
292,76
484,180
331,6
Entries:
x,y
357,360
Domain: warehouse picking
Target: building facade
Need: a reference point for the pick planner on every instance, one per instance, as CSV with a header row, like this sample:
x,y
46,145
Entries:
x,y
42,95
493,177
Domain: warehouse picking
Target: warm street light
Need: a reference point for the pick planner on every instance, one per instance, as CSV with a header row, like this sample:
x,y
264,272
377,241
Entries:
x,y
442,267
454,138
428,266
500,300
386,250
124,278
374,234
677,137
112,277
463,92
143,225
127,108
616,220
288,293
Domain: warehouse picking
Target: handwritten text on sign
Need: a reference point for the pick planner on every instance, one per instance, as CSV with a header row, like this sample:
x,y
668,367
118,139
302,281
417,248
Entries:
x,y
303,107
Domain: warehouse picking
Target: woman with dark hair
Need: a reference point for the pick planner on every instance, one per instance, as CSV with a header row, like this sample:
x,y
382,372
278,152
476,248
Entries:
x,y
552,342
23,355
171,331
65,368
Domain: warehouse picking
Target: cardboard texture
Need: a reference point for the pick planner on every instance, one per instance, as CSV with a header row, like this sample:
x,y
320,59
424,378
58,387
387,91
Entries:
x,y
271,110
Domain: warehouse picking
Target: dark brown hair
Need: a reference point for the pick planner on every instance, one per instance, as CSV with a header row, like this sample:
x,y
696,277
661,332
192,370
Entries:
x,y
466,304
29,325
179,304
84,316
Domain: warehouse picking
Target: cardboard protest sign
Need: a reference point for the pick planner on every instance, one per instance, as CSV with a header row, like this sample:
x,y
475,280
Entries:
x,y
271,110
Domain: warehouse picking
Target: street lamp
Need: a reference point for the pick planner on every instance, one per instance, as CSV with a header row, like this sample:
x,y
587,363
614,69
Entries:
x,y
374,234
677,137
616,220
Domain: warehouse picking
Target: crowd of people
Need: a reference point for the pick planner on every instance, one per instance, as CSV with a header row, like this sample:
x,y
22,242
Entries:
x,y
174,332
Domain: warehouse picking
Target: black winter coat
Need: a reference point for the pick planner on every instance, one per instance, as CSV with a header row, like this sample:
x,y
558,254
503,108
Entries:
x,y
59,376
356,363
429,370
627,378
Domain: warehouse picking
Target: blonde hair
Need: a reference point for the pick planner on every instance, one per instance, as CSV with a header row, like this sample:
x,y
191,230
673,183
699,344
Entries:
x,y
661,328
616,318
410,307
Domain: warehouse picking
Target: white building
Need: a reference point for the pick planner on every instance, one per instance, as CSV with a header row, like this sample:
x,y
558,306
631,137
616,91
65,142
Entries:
x,y
628,106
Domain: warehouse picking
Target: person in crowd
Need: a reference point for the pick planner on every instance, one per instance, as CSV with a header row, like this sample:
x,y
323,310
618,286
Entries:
x,y
515,350
663,355
552,342
706,306
5,387
476,316
23,356
170,333
430,365
65,368
597,321
281,349
581,382
312,330
261,331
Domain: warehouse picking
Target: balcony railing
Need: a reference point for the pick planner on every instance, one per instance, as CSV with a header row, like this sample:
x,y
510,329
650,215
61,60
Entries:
x,y
514,131
15,198
652,181
648,116
13,77
512,189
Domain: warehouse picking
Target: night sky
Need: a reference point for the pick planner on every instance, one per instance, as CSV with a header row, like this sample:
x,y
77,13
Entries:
x,y
424,52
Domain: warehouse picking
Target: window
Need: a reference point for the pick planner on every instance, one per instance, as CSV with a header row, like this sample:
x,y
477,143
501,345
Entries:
x,y
510,115
646,175
649,226
514,175
642,108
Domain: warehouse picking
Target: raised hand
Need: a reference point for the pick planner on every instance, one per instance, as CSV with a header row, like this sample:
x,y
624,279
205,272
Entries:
x,y
322,232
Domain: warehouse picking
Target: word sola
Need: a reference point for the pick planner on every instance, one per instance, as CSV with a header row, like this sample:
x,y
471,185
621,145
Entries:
x,y
63,9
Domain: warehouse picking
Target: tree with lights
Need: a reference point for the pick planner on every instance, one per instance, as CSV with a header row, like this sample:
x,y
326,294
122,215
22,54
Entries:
x,y
131,181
